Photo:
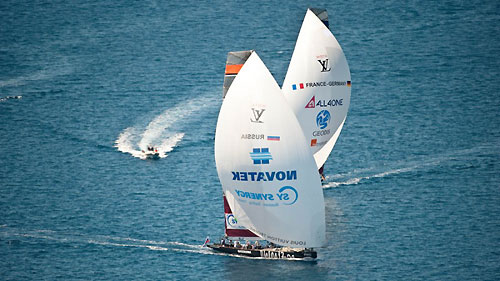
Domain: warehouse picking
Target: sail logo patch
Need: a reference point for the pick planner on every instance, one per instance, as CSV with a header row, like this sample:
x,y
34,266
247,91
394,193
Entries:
x,y
314,142
286,195
257,114
332,83
322,119
273,138
320,133
294,86
252,136
232,222
324,103
324,65
311,103
261,156
265,176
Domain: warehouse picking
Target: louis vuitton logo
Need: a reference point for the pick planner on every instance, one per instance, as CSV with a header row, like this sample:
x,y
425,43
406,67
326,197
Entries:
x,y
324,65
257,114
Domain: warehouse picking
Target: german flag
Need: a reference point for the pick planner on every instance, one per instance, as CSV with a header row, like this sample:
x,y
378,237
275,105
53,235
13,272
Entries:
x,y
348,83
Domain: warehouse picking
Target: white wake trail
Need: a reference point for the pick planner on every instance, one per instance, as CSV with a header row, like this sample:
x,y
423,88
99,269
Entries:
x,y
19,236
165,131
356,180
16,235
57,67
404,166
124,143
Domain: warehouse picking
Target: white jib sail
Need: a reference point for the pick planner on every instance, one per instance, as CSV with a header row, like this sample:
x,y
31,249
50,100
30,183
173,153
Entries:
x,y
317,85
265,166
321,155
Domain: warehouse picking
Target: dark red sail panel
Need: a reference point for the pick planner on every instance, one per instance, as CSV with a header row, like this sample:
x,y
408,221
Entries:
x,y
227,209
240,233
234,230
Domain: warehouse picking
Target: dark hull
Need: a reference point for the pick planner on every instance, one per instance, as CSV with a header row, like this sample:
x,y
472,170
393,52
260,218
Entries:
x,y
153,156
267,253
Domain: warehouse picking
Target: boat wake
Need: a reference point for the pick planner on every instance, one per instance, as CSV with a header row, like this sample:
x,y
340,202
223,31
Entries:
x,y
54,68
164,132
362,175
131,141
15,236
332,181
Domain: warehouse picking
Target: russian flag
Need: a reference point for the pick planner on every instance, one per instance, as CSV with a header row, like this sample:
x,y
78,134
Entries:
x,y
273,138
207,240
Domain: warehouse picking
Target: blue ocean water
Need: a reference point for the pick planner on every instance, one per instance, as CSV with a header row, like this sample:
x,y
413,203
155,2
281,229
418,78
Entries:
x,y
413,182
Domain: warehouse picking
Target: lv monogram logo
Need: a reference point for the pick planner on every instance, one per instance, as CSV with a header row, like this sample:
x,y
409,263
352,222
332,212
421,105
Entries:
x,y
324,65
257,114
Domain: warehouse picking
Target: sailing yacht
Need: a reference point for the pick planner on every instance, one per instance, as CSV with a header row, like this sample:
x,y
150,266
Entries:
x,y
317,85
271,142
268,174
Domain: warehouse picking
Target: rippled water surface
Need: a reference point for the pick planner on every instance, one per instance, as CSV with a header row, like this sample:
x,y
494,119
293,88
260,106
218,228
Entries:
x,y
413,189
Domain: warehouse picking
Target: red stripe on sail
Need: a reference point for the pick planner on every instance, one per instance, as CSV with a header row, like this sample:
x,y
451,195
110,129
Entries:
x,y
240,233
227,209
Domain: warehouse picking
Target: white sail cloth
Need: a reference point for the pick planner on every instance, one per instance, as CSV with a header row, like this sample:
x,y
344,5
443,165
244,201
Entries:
x,y
317,86
264,163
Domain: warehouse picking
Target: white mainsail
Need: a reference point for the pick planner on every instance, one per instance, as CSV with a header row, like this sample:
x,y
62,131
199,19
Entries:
x,y
317,85
264,162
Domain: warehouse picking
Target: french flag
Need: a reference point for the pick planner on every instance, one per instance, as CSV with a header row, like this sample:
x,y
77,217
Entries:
x,y
294,86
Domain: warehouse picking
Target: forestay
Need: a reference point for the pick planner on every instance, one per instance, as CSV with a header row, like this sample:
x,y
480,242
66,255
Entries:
x,y
263,161
317,85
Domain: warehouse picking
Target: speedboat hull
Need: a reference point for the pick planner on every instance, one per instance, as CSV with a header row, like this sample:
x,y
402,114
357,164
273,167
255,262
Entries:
x,y
267,253
152,155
